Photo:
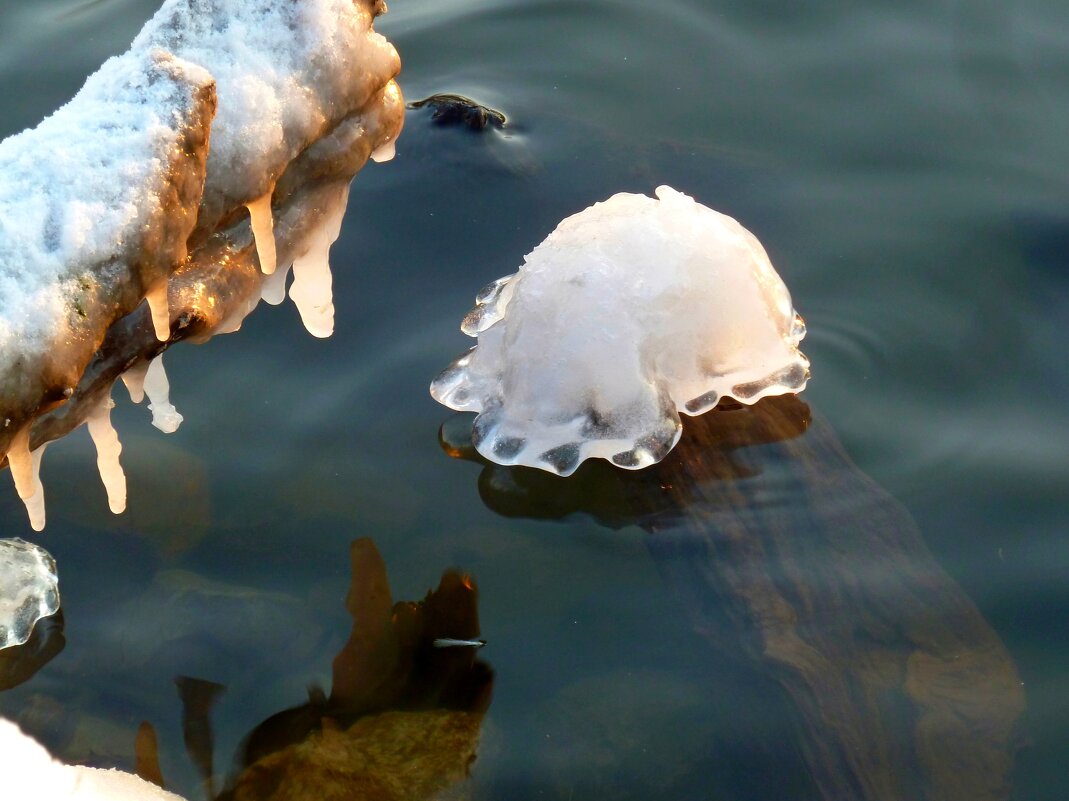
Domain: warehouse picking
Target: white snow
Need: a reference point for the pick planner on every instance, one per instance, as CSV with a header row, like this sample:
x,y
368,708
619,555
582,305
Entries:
x,y
282,69
77,190
630,312
30,773
28,592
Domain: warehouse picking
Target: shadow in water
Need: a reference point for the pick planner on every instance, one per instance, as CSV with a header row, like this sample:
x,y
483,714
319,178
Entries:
x,y
790,560
401,721
19,663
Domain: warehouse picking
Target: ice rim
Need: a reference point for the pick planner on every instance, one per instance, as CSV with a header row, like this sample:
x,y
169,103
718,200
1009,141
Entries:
x,y
169,196
29,589
560,445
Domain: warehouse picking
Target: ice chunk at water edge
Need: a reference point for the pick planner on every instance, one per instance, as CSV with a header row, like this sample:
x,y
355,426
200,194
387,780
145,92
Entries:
x,y
631,312
29,772
29,589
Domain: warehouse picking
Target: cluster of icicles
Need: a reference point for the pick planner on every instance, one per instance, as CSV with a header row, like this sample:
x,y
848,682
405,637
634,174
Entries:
x,y
311,292
287,136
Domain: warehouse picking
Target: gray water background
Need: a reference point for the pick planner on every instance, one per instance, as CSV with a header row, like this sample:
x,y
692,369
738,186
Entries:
x,y
906,165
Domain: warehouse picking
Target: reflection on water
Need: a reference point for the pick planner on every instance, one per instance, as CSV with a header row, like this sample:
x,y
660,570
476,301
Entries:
x,y
20,663
402,718
791,561
198,698
401,721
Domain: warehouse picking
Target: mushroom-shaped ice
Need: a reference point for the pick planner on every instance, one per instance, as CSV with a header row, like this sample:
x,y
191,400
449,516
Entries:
x,y
630,312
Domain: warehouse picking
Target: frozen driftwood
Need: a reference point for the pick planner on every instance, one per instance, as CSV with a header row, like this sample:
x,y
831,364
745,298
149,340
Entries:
x,y
799,568
158,203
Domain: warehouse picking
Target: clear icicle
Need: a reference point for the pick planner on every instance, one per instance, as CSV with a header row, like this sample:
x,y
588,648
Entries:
x,y
156,297
312,288
273,289
134,379
108,448
164,416
384,152
263,231
26,471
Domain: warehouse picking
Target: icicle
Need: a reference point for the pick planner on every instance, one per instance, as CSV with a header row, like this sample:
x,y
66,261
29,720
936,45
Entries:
x,y
164,416
26,471
263,231
235,318
156,297
312,290
384,152
273,289
108,448
134,378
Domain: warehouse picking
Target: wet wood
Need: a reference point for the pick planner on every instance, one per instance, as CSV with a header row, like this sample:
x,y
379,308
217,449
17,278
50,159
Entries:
x,y
219,281
790,560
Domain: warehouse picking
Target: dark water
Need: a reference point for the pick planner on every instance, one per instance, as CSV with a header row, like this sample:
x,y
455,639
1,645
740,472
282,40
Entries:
x,y
906,166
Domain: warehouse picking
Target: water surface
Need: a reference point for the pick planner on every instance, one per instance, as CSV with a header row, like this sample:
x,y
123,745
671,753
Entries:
x,y
904,164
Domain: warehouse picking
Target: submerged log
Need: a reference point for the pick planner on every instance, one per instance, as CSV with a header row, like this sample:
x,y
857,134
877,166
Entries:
x,y
787,557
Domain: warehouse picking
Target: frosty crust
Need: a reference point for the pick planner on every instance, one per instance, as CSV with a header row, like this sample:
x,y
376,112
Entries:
x,y
631,312
144,186
96,205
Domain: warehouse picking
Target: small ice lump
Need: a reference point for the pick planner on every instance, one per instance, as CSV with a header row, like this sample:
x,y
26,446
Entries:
x,y
29,589
29,772
630,312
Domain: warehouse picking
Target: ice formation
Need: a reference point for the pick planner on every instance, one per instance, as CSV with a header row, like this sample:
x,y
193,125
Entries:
x,y
28,589
26,473
630,312
29,772
219,147
164,416
106,441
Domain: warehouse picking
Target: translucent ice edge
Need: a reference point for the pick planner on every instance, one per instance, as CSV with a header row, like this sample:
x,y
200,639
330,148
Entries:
x,y
632,312
30,773
29,589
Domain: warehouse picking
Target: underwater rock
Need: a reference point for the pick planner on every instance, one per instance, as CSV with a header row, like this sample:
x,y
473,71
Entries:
x,y
96,216
403,716
29,589
449,109
392,756
629,313
30,772
212,626
632,733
